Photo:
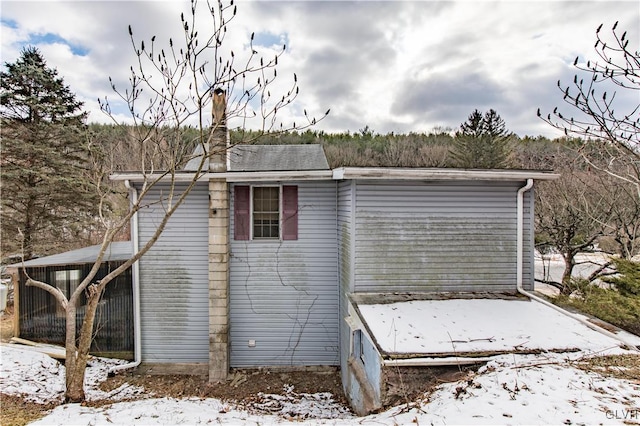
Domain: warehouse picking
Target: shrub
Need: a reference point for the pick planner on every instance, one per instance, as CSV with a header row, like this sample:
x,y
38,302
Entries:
x,y
610,305
627,281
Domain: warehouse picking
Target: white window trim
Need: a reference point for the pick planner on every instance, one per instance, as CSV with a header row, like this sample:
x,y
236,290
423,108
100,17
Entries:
x,y
280,206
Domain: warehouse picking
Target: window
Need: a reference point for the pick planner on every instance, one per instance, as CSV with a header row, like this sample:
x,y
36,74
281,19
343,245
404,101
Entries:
x,y
357,351
265,212
67,281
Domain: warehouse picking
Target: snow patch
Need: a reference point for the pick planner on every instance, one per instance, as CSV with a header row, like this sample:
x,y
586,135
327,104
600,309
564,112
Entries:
x,y
301,406
41,379
476,325
38,377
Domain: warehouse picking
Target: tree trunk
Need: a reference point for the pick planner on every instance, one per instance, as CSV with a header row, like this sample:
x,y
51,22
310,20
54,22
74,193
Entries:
x,y
569,263
74,393
75,382
27,243
76,368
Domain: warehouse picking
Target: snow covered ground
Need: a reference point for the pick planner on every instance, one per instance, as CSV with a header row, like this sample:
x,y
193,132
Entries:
x,y
40,378
510,389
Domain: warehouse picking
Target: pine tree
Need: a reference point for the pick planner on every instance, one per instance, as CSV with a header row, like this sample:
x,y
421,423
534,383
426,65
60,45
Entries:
x,y
46,194
482,142
627,281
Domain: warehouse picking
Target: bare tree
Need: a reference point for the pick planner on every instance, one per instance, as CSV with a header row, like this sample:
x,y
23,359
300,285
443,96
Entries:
x,y
605,98
570,217
584,208
623,228
171,91
571,213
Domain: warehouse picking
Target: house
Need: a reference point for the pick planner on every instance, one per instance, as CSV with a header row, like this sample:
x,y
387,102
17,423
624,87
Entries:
x,y
267,262
39,317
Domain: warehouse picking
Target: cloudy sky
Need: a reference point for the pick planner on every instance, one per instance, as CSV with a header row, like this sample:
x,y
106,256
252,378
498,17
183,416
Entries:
x,y
392,66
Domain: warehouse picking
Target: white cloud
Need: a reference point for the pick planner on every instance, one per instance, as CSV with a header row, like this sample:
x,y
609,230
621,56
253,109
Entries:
x,y
394,66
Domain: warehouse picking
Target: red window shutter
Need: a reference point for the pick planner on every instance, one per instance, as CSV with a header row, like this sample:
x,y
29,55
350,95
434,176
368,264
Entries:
x,y
289,212
241,212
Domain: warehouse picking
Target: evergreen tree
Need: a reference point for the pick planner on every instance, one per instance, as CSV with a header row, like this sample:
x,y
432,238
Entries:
x,y
482,142
46,194
627,281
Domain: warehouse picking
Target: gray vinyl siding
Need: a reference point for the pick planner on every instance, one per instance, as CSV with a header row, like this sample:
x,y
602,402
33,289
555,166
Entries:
x,y
438,236
284,294
174,281
345,234
345,255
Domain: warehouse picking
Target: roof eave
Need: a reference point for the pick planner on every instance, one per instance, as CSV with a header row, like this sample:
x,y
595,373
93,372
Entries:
x,y
261,176
153,177
345,173
297,175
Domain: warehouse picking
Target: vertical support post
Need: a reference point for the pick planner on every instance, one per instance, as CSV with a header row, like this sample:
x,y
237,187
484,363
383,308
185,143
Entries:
x,y
15,282
220,135
218,245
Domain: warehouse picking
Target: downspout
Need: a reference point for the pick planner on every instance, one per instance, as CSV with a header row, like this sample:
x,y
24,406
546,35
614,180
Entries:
x,y
135,276
520,267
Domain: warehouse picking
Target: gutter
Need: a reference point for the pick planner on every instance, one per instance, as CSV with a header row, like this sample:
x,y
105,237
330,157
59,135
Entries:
x,y
135,275
435,362
519,274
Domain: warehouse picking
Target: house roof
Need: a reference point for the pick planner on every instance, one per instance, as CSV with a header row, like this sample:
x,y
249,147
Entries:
x,y
424,328
260,163
117,251
264,158
268,158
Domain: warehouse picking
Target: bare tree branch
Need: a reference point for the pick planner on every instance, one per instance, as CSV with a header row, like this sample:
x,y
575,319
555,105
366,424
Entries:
x,y
605,98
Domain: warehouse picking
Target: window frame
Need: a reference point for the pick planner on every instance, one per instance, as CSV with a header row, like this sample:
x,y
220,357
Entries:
x,y
252,237
288,212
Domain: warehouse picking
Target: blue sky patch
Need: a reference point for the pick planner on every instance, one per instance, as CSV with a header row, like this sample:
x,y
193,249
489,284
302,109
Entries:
x,y
50,38
269,40
9,23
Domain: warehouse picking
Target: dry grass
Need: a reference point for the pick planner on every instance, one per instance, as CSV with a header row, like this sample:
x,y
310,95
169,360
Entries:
x,y
6,325
244,387
618,366
14,411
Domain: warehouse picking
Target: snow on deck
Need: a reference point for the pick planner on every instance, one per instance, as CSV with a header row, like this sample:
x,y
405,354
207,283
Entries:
x,y
476,325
